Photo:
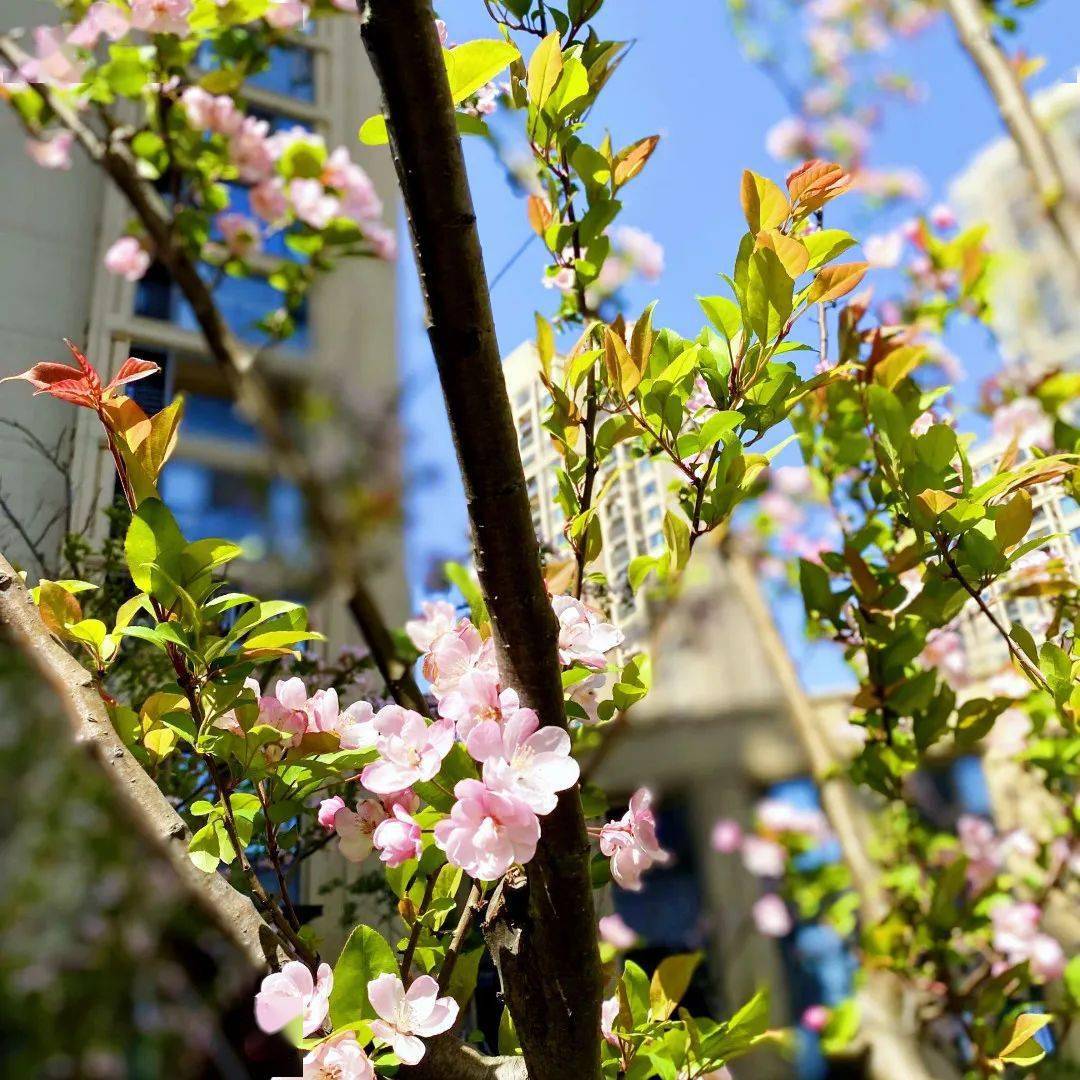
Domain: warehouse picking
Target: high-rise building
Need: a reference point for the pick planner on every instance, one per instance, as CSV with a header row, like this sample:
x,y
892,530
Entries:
x,y
1056,516
1036,317
631,511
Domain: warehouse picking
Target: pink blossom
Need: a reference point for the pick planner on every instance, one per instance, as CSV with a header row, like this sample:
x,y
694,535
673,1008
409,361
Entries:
x,y
780,510
564,279
780,816
1024,420
477,699
923,423
771,916
615,932
397,838
487,99
269,201
285,709
356,829
161,16
529,764
609,1013
763,858
1009,735
339,1058
1017,938
249,150
790,138
883,250
454,654
359,200
291,993
942,217
102,18
631,842
328,810
54,62
487,831
586,693
286,14
383,241
240,233
354,726
409,1016
127,258
945,651
815,1018
979,842
409,749
53,152
792,481
644,253
437,617
726,836
583,636
440,29
209,112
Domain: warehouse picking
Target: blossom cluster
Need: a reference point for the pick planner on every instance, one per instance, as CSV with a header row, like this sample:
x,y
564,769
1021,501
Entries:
x,y
405,1018
494,822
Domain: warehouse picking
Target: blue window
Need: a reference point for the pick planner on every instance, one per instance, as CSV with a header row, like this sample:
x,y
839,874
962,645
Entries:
x,y
217,418
264,514
243,302
291,73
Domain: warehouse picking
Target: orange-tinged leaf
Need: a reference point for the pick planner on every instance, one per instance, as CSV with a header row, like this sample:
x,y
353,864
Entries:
x,y
540,214
57,607
814,183
792,253
832,282
631,159
622,371
764,204
935,502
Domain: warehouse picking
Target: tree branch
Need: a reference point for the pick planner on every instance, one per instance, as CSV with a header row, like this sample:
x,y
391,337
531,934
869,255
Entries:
x,y
230,910
546,935
1036,150
251,389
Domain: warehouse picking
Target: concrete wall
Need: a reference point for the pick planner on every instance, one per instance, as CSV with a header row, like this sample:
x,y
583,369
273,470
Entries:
x,y
48,254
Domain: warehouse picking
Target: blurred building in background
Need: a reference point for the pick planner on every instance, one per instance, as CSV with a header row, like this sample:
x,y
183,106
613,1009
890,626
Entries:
x,y
1036,317
55,228
221,480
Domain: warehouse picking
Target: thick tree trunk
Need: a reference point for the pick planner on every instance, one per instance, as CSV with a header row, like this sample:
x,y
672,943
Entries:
x,y
543,937
1061,204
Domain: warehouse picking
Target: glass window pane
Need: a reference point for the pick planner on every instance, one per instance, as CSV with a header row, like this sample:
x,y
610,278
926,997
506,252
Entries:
x,y
264,514
291,72
217,418
242,301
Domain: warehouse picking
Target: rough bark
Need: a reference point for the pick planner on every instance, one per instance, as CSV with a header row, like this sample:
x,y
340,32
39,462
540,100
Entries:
x,y
230,910
1036,150
544,938
255,393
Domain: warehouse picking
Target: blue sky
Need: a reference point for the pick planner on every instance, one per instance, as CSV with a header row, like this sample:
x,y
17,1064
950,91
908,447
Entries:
x,y
686,80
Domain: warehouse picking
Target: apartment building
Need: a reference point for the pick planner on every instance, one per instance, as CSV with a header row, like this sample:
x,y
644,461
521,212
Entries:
x,y
55,228
1036,317
632,510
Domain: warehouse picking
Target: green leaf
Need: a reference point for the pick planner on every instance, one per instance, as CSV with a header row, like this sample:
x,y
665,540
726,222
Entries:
x,y
366,956
1021,1047
373,131
545,67
636,984
154,541
841,1027
670,982
475,63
